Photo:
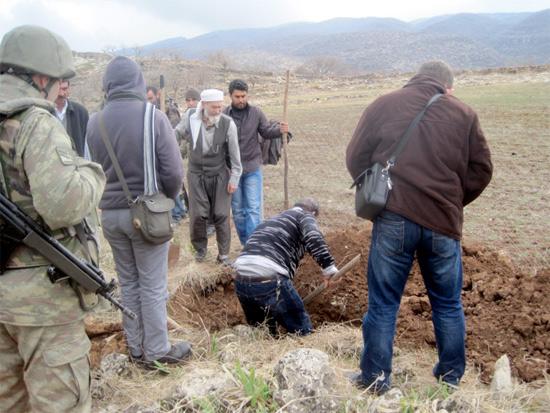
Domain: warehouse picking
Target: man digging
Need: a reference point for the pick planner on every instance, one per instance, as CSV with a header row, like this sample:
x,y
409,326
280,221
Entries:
x,y
267,265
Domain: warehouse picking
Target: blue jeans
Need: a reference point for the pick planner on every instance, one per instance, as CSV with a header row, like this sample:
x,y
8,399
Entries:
x,y
246,204
274,302
179,211
395,240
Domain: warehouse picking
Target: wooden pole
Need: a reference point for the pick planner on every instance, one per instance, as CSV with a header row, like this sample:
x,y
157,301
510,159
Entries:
x,y
162,95
285,138
311,296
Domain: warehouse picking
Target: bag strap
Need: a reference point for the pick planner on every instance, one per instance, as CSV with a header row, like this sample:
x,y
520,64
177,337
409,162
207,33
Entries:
x,y
114,160
412,125
150,186
402,141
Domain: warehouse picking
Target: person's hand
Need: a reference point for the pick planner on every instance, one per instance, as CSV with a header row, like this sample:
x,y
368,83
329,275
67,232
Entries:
x,y
231,188
328,275
283,127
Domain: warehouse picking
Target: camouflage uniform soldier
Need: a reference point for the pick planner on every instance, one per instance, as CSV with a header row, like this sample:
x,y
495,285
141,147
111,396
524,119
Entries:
x,y
43,345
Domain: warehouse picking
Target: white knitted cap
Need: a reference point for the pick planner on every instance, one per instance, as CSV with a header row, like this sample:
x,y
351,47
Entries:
x,y
212,95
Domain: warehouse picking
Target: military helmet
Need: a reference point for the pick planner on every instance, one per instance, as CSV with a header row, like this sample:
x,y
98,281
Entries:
x,y
34,49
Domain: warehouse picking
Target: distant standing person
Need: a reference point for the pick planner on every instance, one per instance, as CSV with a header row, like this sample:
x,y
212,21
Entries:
x,y
267,265
214,172
445,165
247,201
153,96
72,115
172,111
192,98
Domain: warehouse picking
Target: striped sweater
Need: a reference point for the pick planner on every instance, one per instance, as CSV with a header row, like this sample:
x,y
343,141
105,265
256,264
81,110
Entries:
x,y
285,238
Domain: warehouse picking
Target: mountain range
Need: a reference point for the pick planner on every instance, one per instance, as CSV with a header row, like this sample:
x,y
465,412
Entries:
x,y
361,45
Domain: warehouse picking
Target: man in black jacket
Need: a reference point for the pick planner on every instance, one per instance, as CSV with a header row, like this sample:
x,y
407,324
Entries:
x,y
246,203
267,265
72,115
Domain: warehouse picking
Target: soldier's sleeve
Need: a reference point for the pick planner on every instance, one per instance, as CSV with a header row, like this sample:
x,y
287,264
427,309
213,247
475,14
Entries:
x,y
65,187
183,135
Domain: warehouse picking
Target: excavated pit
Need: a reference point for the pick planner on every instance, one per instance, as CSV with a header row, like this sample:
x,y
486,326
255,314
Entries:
x,y
507,312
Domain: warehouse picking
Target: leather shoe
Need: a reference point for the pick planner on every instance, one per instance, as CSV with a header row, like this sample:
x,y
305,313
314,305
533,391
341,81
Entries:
x,y
224,260
200,255
356,378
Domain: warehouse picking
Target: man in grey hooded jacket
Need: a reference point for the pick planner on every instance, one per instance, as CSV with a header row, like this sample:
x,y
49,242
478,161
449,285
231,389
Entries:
x,y
141,266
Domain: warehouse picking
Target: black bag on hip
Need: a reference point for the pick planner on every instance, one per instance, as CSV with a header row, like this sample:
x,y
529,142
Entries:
x,y
372,189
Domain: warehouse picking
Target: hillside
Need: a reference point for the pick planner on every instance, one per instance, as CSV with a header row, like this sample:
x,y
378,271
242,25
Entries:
x,y
360,45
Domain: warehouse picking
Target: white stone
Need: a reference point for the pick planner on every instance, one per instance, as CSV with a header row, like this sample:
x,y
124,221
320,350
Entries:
x,y
114,365
203,382
389,402
501,383
306,382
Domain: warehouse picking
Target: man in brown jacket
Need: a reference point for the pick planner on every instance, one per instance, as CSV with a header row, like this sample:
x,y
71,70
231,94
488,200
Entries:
x,y
445,165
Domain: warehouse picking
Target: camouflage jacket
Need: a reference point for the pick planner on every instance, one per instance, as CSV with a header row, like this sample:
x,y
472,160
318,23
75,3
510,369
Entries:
x,y
173,113
41,172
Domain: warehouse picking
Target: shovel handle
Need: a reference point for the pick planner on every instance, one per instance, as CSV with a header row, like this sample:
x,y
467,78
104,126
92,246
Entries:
x,y
311,296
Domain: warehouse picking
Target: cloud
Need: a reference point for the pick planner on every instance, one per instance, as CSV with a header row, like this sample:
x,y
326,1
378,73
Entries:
x,y
94,24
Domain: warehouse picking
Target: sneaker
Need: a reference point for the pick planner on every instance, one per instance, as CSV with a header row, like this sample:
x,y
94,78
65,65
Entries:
x,y
224,260
200,255
210,230
135,359
178,352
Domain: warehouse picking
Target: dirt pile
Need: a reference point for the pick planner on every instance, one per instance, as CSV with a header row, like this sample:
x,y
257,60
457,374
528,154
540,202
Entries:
x,y
506,312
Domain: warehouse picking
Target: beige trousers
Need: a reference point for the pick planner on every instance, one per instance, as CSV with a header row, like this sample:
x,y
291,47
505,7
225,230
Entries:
x,y
44,369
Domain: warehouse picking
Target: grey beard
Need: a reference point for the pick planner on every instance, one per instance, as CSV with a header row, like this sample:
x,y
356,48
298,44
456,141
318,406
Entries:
x,y
211,120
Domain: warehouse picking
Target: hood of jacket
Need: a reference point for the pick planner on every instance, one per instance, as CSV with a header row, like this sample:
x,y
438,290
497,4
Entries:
x,y
123,78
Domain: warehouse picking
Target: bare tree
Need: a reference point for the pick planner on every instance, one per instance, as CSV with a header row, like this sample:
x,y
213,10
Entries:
x,y
109,49
322,66
137,52
221,59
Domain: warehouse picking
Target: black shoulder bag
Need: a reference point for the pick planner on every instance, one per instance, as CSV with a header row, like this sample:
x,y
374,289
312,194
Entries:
x,y
373,186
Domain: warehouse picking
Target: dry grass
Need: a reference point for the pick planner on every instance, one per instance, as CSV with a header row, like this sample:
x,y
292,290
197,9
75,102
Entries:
x,y
512,215
412,374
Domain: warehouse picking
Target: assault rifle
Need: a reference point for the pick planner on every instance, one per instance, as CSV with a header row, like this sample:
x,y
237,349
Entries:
x,y
18,227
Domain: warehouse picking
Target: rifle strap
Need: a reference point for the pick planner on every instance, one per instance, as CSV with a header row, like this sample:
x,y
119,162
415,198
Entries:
x,y
82,236
3,181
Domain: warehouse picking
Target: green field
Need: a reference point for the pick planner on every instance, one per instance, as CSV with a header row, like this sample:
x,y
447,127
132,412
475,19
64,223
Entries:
x,y
512,215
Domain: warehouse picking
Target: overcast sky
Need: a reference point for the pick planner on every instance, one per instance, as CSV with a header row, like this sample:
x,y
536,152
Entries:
x,y
92,25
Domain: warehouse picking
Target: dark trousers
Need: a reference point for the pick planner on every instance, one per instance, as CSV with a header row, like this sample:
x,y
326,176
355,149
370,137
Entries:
x,y
273,302
209,199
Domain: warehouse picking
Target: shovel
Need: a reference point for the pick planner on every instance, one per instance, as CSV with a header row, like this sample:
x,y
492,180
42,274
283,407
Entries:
x,y
311,296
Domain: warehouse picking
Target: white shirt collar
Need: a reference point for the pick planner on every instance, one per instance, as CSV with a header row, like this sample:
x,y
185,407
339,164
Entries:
x,y
61,114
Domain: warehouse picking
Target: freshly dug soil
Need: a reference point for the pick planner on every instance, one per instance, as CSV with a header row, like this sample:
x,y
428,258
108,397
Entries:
x,y
507,312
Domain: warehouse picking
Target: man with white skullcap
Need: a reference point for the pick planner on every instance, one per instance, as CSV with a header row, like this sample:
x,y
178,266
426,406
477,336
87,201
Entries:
x,y
214,171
